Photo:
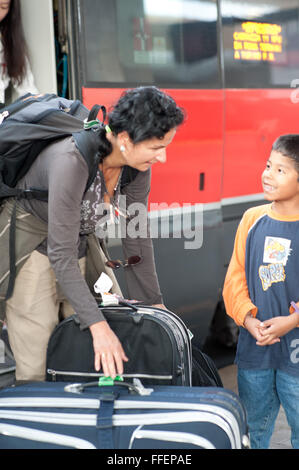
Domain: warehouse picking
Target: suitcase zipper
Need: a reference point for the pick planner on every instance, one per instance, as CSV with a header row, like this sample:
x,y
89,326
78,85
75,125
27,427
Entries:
x,y
179,334
54,373
175,319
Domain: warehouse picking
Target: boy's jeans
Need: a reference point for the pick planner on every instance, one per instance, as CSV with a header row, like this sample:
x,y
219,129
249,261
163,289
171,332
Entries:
x,y
262,392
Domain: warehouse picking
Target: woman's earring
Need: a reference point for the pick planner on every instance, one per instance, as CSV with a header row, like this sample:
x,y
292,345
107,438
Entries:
x,y
122,148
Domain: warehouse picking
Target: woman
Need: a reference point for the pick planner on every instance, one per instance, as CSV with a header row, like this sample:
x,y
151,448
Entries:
x,y
140,127
14,61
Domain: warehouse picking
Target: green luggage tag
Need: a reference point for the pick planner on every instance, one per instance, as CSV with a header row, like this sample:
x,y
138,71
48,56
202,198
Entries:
x,y
108,381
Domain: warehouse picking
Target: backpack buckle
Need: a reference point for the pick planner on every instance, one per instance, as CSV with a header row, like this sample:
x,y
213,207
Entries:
x,y
3,115
27,194
30,194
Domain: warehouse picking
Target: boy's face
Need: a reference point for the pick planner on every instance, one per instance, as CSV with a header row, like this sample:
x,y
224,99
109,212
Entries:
x,y
280,178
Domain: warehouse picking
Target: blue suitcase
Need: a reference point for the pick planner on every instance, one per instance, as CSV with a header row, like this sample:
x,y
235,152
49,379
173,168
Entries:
x,y
7,362
123,416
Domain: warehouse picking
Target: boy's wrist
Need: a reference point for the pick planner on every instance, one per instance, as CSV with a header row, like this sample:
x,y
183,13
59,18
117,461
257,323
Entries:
x,y
294,311
247,317
296,315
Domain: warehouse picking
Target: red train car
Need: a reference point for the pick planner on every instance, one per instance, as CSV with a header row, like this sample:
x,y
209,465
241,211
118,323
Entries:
x,y
234,67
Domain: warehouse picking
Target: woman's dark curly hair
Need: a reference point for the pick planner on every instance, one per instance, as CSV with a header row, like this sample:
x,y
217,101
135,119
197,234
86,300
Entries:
x,y
145,113
13,41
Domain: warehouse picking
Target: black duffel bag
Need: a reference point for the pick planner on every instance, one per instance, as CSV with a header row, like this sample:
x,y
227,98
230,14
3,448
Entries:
x,y
204,370
156,341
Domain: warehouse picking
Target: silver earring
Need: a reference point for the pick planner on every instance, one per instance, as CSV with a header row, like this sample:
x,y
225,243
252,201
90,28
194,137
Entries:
x,y
122,148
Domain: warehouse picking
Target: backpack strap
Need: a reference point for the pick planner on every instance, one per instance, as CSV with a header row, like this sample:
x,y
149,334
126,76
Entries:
x,y
25,101
25,194
128,175
92,119
93,113
74,107
12,253
18,193
87,141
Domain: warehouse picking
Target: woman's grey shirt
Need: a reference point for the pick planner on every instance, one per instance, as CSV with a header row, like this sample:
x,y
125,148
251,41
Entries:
x,y
71,214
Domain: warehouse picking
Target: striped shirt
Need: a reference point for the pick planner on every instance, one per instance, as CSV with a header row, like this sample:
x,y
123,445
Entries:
x,y
263,277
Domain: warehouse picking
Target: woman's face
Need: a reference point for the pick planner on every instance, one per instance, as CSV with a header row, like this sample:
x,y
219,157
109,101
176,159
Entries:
x,y
144,154
4,8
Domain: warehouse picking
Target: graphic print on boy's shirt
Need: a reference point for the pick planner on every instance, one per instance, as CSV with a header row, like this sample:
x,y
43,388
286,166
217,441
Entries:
x,y
276,253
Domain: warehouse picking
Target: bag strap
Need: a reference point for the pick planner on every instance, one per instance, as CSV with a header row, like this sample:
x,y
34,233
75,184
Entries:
x,y
74,106
93,113
25,101
128,175
6,191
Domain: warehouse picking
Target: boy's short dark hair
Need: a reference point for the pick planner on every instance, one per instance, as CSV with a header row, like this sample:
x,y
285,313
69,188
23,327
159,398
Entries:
x,y
288,145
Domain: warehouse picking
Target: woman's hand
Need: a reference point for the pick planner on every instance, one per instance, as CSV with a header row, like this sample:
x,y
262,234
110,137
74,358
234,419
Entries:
x,y
108,351
159,306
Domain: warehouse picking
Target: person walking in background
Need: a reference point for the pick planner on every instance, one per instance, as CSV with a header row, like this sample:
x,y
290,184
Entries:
x,y
14,63
261,294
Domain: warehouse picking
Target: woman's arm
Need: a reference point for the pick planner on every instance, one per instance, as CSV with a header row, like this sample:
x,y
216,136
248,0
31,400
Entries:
x,y
67,180
142,279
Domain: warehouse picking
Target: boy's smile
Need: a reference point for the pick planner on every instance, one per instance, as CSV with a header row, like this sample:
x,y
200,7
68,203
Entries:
x,y
280,183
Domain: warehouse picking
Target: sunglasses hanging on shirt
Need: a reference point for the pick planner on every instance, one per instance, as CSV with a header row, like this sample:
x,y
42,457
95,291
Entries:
x,y
132,261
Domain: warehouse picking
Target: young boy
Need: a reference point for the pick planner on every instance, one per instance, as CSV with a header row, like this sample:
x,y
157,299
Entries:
x,y
261,282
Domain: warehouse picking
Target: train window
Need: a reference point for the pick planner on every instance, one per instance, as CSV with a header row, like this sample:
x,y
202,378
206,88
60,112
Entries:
x,y
170,42
260,43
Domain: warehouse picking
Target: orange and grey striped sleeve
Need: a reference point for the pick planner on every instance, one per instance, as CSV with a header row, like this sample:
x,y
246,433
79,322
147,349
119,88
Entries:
x,y
235,290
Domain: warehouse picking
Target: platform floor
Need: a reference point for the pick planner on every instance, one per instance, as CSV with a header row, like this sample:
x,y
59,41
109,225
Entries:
x,y
281,435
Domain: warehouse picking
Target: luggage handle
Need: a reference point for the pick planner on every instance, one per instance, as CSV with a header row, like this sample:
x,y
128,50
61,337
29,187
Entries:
x,y
136,386
124,303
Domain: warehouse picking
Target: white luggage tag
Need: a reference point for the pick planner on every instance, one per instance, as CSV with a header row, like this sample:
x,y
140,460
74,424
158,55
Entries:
x,y
103,286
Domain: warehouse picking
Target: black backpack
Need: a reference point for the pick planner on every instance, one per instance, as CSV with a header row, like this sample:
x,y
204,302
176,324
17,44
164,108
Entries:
x,y
27,126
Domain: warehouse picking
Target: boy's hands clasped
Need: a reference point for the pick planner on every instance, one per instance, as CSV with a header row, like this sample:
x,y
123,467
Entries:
x,y
269,331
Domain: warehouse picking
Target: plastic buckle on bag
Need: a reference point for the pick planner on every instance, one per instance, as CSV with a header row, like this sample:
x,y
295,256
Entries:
x,y
28,194
107,382
107,397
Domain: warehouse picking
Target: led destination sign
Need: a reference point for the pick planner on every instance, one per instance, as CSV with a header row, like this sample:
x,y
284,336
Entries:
x,y
258,41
